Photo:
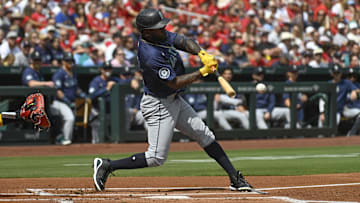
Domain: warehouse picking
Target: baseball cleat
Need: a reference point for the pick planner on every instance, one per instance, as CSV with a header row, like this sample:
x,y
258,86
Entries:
x,y
240,184
102,170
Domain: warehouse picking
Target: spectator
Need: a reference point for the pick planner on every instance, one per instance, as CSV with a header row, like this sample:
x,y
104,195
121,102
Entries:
x,y
286,40
130,50
63,16
57,53
38,19
2,36
22,57
340,38
354,61
267,49
307,57
119,59
283,62
117,41
318,61
66,83
9,49
42,47
80,17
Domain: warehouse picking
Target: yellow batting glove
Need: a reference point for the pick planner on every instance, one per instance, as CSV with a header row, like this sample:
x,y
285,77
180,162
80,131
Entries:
x,y
206,58
208,69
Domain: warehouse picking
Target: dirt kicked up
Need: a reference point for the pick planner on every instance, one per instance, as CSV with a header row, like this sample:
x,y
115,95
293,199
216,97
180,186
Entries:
x,y
309,188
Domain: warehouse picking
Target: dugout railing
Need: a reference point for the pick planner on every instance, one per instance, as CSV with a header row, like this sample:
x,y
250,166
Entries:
x,y
324,90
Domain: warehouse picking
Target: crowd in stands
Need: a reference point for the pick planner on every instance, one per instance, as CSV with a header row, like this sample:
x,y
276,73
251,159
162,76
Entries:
x,y
242,33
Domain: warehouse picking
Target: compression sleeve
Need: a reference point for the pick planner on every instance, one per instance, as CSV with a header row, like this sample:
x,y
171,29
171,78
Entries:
x,y
185,44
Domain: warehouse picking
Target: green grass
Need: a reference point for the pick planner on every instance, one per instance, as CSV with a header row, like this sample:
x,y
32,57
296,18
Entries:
x,y
53,166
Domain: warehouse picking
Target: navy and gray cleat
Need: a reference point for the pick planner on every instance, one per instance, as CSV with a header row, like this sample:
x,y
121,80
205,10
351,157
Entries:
x,y
102,170
239,183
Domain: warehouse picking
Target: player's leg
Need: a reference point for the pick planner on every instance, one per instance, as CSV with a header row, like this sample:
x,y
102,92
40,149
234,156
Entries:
x,y
351,113
260,121
239,116
281,113
218,117
160,116
221,119
95,126
191,125
68,118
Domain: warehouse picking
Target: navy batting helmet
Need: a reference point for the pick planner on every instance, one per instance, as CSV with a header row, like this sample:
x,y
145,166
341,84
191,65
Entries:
x,y
151,19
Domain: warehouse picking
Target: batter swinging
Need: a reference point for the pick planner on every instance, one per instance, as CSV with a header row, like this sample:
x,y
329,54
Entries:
x,y
162,108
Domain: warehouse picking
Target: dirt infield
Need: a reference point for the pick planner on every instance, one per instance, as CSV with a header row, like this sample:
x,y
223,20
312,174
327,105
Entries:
x,y
324,188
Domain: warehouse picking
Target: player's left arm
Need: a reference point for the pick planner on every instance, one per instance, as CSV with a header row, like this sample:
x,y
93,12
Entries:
x,y
185,44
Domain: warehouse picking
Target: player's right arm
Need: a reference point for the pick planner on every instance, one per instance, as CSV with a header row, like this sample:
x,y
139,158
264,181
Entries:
x,y
35,83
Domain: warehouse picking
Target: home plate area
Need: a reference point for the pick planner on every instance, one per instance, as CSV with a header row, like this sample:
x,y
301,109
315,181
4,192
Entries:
x,y
163,194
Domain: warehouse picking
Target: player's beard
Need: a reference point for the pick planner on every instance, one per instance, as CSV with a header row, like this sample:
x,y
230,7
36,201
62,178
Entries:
x,y
159,38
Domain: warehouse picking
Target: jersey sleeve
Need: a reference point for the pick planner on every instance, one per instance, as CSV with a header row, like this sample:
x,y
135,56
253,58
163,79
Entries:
x,y
95,90
57,79
26,77
162,68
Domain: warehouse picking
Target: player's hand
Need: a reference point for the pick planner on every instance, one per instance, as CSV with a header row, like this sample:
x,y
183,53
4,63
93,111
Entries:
x,y
267,116
208,69
207,59
109,85
50,84
322,117
134,84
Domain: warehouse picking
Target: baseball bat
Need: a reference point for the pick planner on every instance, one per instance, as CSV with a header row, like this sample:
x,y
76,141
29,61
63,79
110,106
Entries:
x,y
225,85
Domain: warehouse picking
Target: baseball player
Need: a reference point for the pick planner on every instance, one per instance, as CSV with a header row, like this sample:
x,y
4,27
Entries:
x,y
132,101
292,74
265,104
31,76
233,108
100,86
199,102
161,105
65,80
346,92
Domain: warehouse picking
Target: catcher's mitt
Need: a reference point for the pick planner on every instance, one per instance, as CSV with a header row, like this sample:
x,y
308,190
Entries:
x,y
34,110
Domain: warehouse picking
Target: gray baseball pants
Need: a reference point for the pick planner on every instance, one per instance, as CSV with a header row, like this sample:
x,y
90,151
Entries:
x,y
239,116
219,117
276,114
162,115
62,109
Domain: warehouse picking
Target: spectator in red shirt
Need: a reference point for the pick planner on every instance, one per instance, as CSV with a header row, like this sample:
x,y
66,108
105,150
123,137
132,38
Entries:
x,y
133,8
38,19
94,23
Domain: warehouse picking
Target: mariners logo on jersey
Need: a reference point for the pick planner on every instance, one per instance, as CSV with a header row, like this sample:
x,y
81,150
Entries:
x,y
164,73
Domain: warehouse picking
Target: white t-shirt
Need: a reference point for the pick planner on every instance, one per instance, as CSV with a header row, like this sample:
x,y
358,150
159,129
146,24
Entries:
x,y
5,50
